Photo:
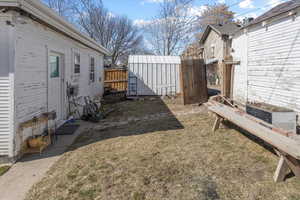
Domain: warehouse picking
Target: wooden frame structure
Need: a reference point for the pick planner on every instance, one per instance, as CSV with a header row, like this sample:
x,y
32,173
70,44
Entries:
x,y
287,148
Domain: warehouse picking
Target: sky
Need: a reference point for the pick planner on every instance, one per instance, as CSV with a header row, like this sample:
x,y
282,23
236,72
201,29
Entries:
x,y
141,11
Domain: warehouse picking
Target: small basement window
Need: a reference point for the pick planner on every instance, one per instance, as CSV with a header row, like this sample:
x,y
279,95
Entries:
x,y
77,63
92,69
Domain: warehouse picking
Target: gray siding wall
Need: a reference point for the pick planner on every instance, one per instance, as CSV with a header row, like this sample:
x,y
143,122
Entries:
x,y
240,47
274,63
213,39
34,42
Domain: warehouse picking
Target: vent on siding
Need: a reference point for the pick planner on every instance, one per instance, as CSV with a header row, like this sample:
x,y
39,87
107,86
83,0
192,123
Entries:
x,y
4,116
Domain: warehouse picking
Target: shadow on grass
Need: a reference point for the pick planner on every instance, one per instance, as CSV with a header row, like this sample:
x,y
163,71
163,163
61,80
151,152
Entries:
x,y
153,112
132,117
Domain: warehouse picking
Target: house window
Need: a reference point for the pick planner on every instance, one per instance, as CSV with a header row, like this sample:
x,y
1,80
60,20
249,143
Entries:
x,y
77,63
212,51
92,69
54,66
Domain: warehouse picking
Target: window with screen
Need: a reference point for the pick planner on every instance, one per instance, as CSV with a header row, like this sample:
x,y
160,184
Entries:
x,y
92,69
77,63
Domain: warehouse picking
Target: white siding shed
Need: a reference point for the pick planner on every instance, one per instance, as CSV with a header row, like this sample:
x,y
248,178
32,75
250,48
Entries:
x,y
153,75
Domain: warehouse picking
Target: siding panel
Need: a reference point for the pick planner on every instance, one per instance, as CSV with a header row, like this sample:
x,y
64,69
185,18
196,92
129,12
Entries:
x,y
4,116
34,42
274,63
239,45
156,75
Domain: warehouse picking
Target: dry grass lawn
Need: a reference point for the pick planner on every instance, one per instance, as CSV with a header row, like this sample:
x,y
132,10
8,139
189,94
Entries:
x,y
164,158
4,169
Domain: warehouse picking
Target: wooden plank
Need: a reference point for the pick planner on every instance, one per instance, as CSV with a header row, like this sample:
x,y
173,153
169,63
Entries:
x,y
115,81
293,164
226,79
217,123
289,162
281,170
231,62
115,70
256,127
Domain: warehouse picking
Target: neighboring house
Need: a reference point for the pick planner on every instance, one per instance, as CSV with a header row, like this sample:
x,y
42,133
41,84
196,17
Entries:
x,y
216,41
40,53
269,53
153,75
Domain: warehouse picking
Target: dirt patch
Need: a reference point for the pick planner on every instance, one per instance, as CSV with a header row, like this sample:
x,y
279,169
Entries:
x,y
176,157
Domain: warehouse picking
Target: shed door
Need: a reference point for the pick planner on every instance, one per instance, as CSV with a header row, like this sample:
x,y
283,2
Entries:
x,y
55,85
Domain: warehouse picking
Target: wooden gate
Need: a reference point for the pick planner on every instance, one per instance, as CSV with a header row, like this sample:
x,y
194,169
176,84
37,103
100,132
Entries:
x,y
116,80
193,81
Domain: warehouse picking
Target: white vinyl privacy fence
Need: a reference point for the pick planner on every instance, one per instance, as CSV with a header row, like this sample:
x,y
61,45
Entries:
x,y
153,75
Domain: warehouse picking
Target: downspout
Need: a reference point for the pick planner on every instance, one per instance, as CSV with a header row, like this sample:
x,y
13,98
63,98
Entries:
x,y
247,63
11,74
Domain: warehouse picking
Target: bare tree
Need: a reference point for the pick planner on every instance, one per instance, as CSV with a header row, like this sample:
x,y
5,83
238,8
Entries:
x,y
116,33
172,29
62,7
215,14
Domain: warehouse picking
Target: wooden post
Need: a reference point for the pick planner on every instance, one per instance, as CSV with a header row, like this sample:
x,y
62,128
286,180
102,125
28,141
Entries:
x,y
281,170
217,123
293,164
286,163
226,77
182,85
222,67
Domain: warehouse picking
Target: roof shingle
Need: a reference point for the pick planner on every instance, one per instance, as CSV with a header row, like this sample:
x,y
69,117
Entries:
x,y
226,29
277,10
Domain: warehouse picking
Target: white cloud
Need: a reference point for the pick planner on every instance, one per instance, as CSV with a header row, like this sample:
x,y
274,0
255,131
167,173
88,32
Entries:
x,y
141,22
222,1
253,14
197,10
246,4
194,11
274,3
152,1
110,14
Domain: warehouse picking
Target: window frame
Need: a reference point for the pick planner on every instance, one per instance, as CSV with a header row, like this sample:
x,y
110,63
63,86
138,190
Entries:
x,y
55,74
92,76
77,63
213,49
